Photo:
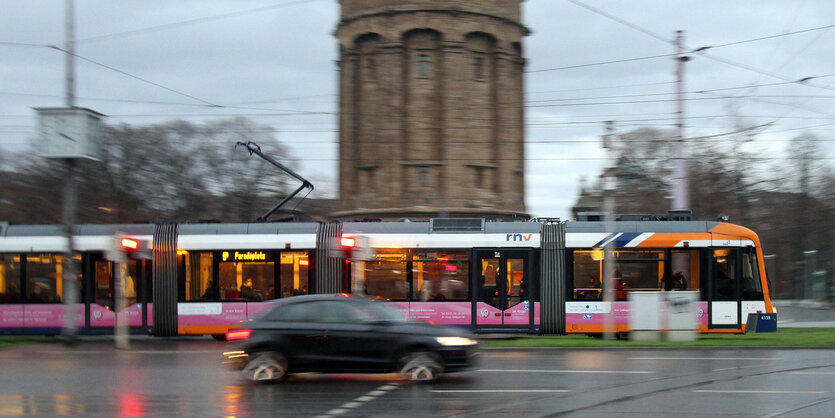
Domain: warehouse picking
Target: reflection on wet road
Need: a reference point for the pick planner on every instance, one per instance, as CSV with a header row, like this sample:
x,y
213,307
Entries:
x,y
184,377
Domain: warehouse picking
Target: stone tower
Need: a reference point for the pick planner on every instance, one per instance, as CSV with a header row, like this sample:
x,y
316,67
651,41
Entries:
x,y
431,115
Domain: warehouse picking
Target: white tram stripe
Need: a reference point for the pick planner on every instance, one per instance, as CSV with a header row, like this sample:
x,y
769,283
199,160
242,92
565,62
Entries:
x,y
705,358
500,391
565,371
766,392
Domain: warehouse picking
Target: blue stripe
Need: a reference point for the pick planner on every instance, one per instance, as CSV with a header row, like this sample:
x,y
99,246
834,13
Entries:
x,y
604,240
624,239
621,240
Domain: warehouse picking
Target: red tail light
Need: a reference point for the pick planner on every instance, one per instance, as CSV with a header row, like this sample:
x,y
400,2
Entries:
x,y
238,334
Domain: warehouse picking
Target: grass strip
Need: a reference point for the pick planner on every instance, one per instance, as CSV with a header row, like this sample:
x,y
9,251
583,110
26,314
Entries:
x,y
16,340
788,337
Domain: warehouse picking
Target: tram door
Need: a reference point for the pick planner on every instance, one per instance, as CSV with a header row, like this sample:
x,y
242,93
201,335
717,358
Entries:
x,y
502,280
724,288
102,294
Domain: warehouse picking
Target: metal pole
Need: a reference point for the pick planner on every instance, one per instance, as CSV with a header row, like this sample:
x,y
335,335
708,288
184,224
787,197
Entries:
x,y
120,335
681,195
609,187
69,268
69,55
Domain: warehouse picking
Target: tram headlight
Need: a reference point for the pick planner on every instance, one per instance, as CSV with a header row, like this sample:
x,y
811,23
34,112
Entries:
x,y
455,341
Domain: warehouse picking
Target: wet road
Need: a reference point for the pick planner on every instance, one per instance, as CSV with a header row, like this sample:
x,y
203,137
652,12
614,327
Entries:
x,y
184,377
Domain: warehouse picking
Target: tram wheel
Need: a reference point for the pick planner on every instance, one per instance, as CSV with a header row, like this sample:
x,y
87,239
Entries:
x,y
421,367
266,367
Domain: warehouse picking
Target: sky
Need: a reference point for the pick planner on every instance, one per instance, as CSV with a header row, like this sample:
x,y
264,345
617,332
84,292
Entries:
x,y
766,63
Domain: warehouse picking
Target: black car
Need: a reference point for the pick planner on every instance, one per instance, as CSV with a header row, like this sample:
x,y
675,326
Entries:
x,y
345,333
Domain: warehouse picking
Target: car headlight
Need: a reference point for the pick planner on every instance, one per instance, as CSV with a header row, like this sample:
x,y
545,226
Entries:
x,y
455,341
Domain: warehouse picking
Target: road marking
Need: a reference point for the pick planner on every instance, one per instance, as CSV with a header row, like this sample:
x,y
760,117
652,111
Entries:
x,y
503,391
566,371
360,400
737,367
769,392
705,358
811,372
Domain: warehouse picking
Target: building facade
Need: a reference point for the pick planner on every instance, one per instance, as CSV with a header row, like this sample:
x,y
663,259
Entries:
x,y
431,109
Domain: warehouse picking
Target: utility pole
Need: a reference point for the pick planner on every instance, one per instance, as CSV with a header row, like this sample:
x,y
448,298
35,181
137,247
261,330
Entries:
x,y
609,187
681,195
68,215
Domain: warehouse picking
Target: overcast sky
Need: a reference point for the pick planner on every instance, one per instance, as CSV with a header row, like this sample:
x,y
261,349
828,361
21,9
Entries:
x,y
273,61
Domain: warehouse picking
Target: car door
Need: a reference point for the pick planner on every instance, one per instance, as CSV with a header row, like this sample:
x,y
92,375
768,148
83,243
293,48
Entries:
x,y
354,340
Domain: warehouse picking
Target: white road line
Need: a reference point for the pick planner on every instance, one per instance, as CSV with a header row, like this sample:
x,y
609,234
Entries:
x,y
705,358
811,373
737,367
767,392
360,400
503,391
566,371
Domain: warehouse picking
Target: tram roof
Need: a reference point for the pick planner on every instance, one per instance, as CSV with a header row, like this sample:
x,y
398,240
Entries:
x,y
639,226
420,227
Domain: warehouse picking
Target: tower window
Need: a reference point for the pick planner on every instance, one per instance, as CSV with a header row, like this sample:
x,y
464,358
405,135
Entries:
x,y
423,65
423,176
478,68
479,177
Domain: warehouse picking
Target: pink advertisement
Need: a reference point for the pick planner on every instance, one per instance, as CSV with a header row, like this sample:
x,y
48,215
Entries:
x,y
38,316
103,317
519,314
451,313
212,313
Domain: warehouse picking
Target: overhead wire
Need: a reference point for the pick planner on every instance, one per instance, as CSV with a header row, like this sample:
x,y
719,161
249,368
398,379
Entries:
x,y
174,25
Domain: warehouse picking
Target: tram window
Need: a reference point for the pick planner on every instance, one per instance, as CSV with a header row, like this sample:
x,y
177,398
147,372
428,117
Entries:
x,y
246,280
43,272
10,279
724,275
295,274
199,284
258,276
440,275
684,265
386,276
751,284
587,271
641,270
638,270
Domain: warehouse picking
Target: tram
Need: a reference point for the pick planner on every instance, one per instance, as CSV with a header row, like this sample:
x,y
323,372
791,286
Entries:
x,y
526,277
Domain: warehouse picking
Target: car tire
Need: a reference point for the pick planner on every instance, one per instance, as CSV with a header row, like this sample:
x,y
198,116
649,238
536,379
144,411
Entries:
x,y
219,337
266,367
421,367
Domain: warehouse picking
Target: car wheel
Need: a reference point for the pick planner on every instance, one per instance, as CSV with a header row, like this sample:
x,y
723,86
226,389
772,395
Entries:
x,y
266,367
421,367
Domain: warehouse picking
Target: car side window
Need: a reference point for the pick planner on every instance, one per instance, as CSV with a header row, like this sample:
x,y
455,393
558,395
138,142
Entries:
x,y
298,312
340,312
